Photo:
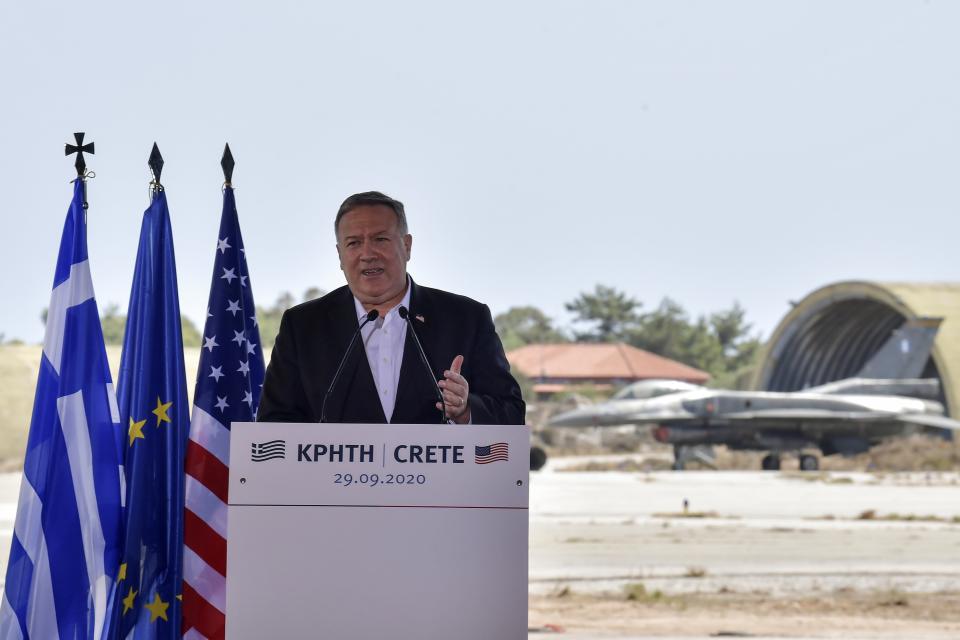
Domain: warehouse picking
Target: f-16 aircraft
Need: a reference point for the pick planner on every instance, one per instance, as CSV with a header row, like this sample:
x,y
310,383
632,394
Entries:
x,y
886,398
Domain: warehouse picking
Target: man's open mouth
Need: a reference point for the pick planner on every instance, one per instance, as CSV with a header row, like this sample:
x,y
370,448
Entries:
x,y
372,272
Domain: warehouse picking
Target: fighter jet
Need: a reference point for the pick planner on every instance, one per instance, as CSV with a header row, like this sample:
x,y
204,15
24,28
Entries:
x,y
886,398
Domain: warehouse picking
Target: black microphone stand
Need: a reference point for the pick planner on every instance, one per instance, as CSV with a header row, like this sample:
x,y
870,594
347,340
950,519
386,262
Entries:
x,y
426,363
373,315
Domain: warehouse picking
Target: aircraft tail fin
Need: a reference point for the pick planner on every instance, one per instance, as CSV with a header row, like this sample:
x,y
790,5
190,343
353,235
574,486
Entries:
x,y
905,354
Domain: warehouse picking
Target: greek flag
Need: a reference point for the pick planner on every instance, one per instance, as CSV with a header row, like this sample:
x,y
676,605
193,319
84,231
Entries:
x,y
65,550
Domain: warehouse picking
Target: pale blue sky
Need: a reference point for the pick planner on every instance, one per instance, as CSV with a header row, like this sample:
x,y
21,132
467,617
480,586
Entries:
x,y
709,151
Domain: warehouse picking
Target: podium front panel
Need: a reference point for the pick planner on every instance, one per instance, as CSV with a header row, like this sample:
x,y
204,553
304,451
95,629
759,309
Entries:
x,y
378,531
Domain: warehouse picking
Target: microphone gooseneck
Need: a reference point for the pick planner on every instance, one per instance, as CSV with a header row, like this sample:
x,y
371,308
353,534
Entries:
x,y
373,315
402,311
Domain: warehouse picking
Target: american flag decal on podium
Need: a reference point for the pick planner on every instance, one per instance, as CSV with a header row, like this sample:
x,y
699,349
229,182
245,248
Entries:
x,y
496,452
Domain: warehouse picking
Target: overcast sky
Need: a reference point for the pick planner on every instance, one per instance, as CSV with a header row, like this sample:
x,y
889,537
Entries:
x,y
708,151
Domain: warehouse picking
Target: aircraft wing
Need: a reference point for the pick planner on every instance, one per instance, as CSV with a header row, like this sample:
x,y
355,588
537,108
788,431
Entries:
x,y
803,415
940,422
816,420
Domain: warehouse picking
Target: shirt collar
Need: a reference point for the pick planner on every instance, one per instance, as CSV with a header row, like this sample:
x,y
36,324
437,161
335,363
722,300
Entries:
x,y
362,313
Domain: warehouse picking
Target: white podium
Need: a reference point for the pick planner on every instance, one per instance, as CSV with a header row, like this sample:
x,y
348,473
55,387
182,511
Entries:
x,y
377,531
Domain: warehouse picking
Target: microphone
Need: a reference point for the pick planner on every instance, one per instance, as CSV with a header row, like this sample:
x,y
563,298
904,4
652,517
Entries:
x,y
373,315
402,311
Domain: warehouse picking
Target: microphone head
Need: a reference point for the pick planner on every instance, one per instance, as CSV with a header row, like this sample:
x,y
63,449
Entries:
x,y
403,312
373,315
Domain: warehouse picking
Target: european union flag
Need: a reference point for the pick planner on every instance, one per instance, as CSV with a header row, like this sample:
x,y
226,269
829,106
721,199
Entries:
x,y
152,393
66,539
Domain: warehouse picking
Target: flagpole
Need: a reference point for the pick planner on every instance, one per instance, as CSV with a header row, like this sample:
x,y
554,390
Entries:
x,y
80,164
226,163
156,167
68,530
229,380
152,400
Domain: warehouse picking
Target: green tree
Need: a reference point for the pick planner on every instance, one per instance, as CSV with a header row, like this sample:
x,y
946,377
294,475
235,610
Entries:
x,y
611,313
702,350
312,293
191,335
268,319
284,301
740,346
114,326
720,344
664,331
518,326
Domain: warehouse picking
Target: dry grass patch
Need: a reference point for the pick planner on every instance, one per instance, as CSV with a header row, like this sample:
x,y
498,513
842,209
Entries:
x,y
19,365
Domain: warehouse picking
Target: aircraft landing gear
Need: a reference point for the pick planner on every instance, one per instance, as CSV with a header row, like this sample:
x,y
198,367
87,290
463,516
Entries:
x,y
678,465
809,463
770,462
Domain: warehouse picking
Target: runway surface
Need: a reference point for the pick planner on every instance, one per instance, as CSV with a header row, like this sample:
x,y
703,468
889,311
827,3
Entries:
x,y
752,550
772,537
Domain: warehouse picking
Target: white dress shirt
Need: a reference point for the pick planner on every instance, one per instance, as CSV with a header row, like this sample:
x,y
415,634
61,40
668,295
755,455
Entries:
x,y
384,339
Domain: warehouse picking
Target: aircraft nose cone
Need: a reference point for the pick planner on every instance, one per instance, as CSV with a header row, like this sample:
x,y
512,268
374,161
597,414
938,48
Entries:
x,y
574,418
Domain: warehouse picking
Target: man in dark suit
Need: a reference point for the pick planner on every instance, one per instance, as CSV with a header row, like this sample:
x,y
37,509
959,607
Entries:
x,y
385,381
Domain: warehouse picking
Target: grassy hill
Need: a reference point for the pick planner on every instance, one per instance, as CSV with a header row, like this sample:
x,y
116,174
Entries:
x,y
19,365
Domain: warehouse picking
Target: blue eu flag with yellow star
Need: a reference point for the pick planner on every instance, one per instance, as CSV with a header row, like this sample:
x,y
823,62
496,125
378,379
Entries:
x,y
152,398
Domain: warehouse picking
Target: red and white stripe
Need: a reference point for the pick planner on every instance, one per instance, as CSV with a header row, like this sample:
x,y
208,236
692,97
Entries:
x,y
205,528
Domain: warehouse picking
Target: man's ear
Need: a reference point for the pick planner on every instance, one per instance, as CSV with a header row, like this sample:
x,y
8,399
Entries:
x,y
339,257
408,244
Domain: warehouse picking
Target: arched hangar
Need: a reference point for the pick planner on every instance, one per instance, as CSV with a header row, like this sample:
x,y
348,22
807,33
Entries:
x,y
833,332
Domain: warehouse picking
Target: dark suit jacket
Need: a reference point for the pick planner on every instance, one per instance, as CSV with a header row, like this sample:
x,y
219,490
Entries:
x,y
313,337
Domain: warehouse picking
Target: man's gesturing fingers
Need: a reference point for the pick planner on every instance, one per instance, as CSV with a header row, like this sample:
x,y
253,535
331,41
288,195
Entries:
x,y
453,381
456,389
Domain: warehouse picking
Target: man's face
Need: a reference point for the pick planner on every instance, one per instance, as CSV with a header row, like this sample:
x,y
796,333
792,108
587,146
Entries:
x,y
373,253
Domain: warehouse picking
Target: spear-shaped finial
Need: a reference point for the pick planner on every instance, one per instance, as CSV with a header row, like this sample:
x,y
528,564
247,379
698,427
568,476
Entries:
x,y
156,164
227,163
79,149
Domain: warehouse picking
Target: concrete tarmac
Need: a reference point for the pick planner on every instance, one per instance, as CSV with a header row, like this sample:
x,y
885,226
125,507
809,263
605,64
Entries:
x,y
782,534
788,536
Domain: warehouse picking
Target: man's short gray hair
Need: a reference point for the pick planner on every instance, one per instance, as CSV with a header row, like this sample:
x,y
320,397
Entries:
x,y
371,198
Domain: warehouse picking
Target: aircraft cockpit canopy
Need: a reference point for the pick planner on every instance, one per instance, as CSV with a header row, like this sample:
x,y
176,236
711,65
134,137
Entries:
x,y
653,388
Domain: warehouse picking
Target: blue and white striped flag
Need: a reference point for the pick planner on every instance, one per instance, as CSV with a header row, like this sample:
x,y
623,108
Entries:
x,y
65,550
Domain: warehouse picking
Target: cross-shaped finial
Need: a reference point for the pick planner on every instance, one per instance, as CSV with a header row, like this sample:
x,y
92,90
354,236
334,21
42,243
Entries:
x,y
156,163
226,162
79,149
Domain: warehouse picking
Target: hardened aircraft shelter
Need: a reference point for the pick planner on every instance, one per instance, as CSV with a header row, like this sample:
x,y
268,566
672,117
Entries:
x,y
833,332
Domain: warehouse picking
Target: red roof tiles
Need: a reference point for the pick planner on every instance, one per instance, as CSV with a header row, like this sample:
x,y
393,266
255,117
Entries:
x,y
597,362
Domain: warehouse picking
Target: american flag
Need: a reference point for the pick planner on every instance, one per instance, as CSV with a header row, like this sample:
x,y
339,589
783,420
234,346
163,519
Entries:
x,y
496,452
229,381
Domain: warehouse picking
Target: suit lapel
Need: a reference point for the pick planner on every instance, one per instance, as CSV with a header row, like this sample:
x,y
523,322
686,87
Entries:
x,y
415,388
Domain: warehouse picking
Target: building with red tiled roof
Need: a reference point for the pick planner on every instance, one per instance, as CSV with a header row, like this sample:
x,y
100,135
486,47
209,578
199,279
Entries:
x,y
555,368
